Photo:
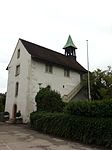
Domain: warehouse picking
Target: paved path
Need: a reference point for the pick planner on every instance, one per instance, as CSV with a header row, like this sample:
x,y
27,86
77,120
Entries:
x,y
19,137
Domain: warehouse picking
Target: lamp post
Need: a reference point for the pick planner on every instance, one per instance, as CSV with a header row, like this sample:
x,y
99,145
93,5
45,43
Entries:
x,y
89,90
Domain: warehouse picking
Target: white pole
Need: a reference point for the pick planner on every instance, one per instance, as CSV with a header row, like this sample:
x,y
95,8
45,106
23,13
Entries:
x,y
89,91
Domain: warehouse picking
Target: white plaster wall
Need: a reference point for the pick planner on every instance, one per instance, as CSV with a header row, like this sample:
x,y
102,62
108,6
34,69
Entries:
x,y
24,80
56,80
31,74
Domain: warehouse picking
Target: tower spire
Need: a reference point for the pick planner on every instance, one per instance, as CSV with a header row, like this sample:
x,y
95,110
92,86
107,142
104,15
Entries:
x,y
70,48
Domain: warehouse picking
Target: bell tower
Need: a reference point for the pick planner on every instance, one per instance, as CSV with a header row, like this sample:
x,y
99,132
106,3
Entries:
x,y
70,48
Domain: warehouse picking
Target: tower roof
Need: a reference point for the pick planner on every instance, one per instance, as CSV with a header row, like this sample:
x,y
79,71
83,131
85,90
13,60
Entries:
x,y
69,43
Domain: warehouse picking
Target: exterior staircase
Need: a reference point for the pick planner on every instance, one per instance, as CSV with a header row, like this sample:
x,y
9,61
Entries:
x,y
67,98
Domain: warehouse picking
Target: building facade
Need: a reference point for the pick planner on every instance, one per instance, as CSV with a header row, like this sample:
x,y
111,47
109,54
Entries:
x,y
33,67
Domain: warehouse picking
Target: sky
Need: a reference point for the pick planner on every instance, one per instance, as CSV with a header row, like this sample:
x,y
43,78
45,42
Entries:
x,y
49,22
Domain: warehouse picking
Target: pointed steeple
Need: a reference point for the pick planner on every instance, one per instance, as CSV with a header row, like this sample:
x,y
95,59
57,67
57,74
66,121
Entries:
x,y
69,43
70,48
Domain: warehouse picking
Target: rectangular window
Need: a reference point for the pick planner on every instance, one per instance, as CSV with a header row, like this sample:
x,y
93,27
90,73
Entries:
x,y
17,70
66,72
49,68
18,53
16,89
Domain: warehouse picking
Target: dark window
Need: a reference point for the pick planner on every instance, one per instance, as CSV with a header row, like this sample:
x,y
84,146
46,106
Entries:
x,y
16,89
48,68
66,72
17,70
18,53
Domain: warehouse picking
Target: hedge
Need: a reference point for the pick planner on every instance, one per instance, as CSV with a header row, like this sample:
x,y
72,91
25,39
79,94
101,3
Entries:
x,y
91,109
84,129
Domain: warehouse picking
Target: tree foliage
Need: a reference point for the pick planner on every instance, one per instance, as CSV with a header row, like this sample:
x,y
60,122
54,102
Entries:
x,y
48,100
101,84
2,101
99,108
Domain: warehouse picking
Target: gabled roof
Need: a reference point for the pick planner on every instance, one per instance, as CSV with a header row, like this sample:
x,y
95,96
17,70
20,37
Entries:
x,y
69,43
44,54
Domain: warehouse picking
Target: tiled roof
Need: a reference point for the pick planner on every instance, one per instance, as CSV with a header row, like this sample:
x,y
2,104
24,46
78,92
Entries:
x,y
44,54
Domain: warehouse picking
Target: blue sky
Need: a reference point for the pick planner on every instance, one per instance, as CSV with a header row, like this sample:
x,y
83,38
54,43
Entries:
x,y
48,23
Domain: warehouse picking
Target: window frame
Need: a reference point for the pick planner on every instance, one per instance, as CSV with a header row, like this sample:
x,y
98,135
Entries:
x,y
66,73
17,70
48,68
16,89
18,54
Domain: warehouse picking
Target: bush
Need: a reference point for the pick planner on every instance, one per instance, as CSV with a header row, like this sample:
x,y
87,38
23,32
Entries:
x,y
4,116
85,129
1,107
18,114
49,100
6,113
90,109
2,102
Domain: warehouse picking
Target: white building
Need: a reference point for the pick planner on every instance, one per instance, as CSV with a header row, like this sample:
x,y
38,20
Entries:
x,y
33,66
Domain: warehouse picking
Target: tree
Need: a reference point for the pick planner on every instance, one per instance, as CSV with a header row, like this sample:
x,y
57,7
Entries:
x,y
2,101
48,100
101,84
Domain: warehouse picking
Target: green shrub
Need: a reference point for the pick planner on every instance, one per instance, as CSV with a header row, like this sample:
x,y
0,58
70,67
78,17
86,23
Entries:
x,y
2,102
49,100
1,107
92,109
85,129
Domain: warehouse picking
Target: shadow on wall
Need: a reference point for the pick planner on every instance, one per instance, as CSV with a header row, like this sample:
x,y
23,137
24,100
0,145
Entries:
x,y
81,95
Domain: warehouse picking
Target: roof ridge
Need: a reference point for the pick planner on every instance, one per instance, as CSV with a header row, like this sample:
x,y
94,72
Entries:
x,y
42,46
46,54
